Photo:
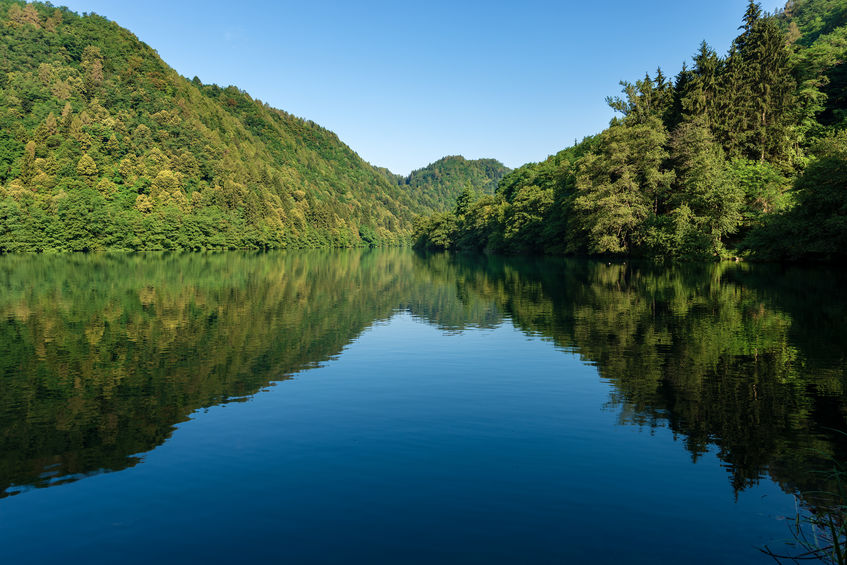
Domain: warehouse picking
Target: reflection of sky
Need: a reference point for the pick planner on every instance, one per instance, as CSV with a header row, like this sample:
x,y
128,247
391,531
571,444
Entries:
x,y
405,83
415,444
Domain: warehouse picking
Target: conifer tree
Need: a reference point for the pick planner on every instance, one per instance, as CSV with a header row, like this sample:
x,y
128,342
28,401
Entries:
x,y
681,87
760,88
702,93
772,89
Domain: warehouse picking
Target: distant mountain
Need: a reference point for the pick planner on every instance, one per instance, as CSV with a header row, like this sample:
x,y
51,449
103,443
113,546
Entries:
x,y
104,146
438,184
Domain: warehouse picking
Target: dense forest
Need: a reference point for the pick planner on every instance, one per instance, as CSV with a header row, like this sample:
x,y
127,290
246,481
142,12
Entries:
x,y
103,146
440,183
743,154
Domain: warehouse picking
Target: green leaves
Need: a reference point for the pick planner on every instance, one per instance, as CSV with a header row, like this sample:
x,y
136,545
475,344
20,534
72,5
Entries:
x,y
816,228
693,170
619,187
85,103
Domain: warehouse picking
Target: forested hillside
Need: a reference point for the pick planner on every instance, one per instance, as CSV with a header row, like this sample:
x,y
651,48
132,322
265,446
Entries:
x,y
103,146
743,153
440,183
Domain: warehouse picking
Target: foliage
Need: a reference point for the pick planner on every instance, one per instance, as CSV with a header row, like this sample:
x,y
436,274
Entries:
x,y
700,167
103,146
817,226
439,184
621,186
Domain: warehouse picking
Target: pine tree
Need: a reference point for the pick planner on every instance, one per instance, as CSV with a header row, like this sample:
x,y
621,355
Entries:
x,y
92,67
751,17
644,100
772,89
681,87
703,91
755,117
464,200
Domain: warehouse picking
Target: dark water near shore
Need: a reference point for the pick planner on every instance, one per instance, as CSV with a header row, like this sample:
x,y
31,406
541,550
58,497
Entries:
x,y
381,406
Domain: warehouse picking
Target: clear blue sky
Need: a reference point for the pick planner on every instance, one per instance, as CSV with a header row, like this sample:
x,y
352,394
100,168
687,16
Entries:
x,y
406,82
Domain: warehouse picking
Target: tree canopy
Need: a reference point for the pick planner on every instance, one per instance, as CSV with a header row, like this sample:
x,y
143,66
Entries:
x,y
738,155
104,146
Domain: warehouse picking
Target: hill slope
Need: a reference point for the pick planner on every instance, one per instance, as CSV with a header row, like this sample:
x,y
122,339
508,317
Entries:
x,y
439,184
738,154
102,145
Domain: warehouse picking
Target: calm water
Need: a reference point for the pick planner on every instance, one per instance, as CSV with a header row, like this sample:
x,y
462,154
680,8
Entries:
x,y
380,406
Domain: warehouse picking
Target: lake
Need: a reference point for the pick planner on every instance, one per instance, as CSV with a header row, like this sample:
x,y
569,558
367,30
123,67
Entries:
x,y
382,406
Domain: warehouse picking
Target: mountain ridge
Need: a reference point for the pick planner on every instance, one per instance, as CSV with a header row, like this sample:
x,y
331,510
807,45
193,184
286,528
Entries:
x,y
104,146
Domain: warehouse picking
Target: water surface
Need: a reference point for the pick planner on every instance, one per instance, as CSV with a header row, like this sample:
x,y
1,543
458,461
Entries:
x,y
381,406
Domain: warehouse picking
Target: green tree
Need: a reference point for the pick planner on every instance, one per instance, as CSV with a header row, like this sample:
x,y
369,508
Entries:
x,y
704,186
701,94
622,185
761,88
28,163
92,68
816,228
436,232
524,219
86,168
464,201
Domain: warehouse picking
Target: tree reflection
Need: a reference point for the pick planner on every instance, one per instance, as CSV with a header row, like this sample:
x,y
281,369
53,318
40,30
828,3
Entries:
x,y
101,356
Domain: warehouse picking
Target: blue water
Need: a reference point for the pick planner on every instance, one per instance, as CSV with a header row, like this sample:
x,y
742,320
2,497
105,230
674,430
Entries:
x,y
414,443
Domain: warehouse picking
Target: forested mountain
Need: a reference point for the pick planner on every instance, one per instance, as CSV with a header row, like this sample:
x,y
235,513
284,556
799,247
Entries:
x,y
440,183
744,153
104,146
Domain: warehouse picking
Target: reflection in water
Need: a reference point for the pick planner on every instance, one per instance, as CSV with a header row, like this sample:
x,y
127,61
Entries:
x,y
750,359
103,355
